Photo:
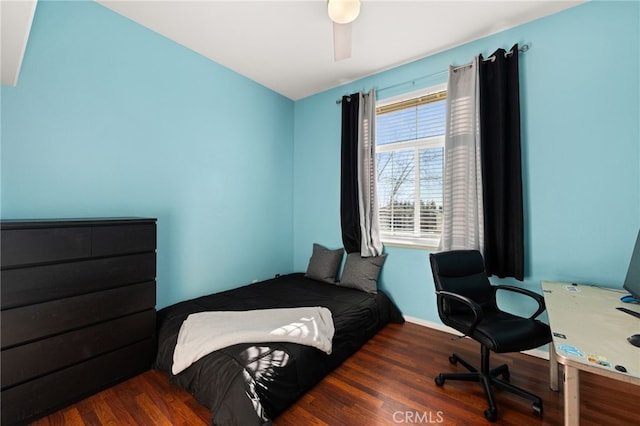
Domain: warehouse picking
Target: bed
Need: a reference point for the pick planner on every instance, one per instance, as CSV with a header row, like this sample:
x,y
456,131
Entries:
x,y
251,383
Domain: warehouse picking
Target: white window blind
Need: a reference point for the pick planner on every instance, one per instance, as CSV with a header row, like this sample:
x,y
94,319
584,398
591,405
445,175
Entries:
x,y
409,155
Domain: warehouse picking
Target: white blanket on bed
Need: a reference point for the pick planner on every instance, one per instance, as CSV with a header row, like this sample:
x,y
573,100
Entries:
x,y
205,332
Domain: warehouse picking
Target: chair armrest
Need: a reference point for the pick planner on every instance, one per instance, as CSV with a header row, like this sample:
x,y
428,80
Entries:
x,y
475,308
538,298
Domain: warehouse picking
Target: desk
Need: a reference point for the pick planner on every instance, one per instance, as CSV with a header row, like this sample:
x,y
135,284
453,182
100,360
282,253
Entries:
x,y
589,334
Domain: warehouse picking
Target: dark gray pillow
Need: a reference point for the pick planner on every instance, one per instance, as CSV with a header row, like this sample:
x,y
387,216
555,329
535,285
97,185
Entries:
x,y
362,272
324,264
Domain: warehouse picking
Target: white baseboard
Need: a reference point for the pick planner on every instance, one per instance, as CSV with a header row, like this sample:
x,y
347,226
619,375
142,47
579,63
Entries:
x,y
441,327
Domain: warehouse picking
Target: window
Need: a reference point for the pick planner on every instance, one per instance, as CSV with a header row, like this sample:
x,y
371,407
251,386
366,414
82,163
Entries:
x,y
410,159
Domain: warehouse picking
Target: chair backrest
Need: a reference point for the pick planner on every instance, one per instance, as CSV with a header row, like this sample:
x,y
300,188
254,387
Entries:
x,y
461,272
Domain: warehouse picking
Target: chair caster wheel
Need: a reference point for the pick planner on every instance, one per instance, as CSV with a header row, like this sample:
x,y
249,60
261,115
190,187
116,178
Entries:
x,y
491,414
537,409
453,359
439,380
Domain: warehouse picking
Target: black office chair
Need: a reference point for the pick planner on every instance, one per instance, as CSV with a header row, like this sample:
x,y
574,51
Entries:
x,y
467,302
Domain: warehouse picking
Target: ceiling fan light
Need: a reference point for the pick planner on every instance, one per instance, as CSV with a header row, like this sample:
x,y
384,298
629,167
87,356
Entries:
x,y
343,11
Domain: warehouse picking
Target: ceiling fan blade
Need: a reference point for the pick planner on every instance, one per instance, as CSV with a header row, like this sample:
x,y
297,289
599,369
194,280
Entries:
x,y
341,41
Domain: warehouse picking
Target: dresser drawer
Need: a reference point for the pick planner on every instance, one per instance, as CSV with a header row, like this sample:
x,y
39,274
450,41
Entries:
x,y
122,239
25,324
43,283
28,246
43,395
25,362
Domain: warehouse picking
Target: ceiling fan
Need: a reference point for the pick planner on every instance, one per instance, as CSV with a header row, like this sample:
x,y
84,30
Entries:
x,y
342,13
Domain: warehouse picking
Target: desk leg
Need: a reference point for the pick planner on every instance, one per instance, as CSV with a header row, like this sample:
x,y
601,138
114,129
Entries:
x,y
571,396
553,368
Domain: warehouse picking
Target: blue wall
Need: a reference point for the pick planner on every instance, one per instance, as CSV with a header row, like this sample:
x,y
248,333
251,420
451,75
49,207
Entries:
x,y
580,97
111,119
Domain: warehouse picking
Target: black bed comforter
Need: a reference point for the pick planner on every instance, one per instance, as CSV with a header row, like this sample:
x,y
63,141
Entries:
x,y
249,384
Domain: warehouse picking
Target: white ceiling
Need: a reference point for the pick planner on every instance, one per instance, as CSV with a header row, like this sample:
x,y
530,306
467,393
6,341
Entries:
x,y
287,46
15,24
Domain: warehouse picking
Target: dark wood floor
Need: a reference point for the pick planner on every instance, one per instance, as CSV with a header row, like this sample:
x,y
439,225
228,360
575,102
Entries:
x,y
389,381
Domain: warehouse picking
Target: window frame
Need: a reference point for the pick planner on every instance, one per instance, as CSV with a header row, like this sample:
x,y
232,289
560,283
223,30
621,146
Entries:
x,y
416,145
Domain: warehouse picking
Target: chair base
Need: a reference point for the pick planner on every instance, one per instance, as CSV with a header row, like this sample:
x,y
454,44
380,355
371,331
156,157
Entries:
x,y
489,378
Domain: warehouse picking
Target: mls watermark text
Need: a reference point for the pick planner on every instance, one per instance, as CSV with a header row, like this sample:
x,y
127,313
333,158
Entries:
x,y
418,417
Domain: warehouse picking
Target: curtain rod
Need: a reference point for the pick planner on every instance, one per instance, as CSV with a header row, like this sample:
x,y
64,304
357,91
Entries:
x,y
521,49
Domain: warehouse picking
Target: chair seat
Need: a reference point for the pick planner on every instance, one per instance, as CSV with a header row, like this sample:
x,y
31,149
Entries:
x,y
503,332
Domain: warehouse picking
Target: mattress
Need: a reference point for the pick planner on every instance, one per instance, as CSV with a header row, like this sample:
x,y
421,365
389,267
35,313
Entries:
x,y
251,383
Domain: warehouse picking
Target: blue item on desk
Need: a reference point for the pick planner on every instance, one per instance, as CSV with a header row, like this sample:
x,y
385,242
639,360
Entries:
x,y
627,298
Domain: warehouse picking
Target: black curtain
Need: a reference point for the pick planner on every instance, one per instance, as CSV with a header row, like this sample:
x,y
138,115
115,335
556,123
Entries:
x,y
501,164
349,209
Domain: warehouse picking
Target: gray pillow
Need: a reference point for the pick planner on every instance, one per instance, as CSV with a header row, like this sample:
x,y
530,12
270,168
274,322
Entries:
x,y
362,272
324,264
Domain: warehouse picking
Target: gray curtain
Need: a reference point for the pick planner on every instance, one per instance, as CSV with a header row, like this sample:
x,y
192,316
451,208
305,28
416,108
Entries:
x,y
367,199
463,222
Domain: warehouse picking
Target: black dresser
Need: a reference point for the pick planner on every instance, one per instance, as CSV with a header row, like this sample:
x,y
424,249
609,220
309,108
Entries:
x,y
77,309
